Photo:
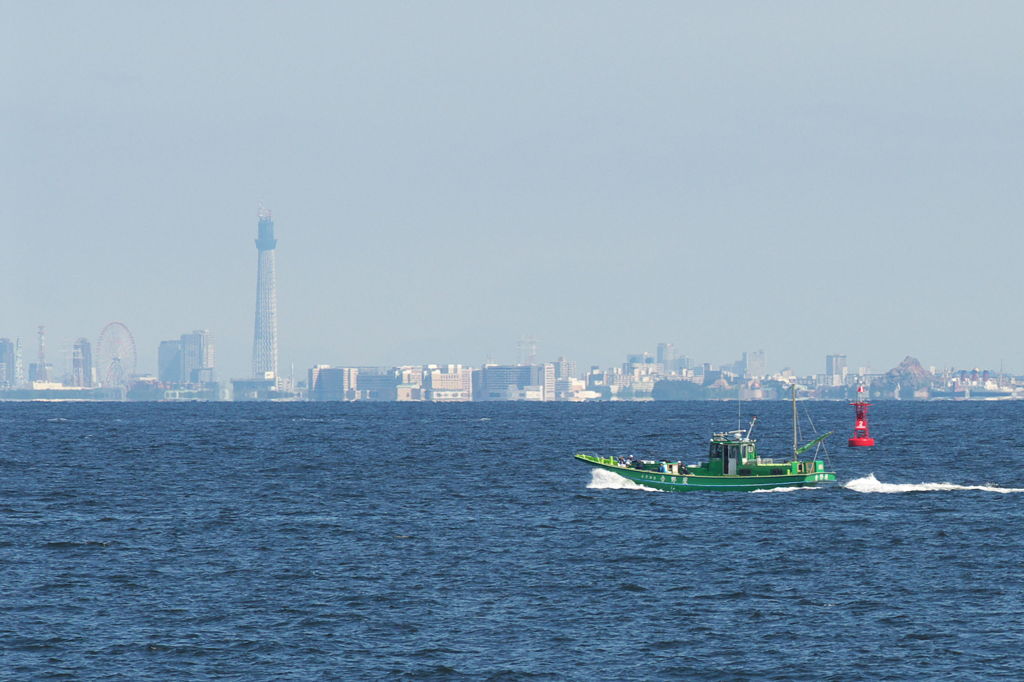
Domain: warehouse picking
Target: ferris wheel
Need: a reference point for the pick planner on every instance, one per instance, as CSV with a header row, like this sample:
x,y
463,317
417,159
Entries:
x,y
115,355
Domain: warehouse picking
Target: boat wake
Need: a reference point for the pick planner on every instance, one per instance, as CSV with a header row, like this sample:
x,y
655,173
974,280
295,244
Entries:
x,y
789,489
601,479
870,484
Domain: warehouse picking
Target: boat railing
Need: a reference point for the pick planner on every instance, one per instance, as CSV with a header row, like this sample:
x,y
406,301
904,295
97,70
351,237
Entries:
x,y
731,437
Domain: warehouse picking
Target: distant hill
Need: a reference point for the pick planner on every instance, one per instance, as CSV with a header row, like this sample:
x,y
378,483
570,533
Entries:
x,y
904,378
678,390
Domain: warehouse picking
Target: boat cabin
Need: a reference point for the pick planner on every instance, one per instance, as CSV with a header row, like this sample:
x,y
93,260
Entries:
x,y
730,451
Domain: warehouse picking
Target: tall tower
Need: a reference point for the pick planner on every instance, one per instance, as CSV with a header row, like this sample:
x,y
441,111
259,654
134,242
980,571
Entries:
x,y
264,341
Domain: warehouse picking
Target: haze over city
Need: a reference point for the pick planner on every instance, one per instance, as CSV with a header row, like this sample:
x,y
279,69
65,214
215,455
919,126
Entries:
x,y
534,339
448,178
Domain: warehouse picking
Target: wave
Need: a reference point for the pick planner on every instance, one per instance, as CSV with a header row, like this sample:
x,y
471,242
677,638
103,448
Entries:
x,y
870,484
602,479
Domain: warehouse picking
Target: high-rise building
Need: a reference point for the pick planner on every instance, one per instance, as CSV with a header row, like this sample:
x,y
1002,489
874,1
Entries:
x,y
835,365
19,365
264,342
683,363
666,356
515,382
40,372
639,363
169,362
81,363
7,364
377,383
565,369
755,364
196,356
835,370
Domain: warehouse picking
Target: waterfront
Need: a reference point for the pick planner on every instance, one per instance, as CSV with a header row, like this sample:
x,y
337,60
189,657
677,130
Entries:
x,y
461,541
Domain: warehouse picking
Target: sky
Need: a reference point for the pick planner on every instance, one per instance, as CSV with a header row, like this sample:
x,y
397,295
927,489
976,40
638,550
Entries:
x,y
447,178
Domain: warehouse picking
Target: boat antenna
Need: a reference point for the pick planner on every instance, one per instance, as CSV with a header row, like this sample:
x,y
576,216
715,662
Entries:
x,y
795,444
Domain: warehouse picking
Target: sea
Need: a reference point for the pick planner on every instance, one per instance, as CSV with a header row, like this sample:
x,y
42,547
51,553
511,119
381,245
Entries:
x,y
408,541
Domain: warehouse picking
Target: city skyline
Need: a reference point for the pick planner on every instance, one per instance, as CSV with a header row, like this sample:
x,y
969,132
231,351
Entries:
x,y
807,179
190,358
186,371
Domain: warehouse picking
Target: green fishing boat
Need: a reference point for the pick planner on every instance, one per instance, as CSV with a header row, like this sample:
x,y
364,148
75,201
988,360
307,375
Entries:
x,y
733,464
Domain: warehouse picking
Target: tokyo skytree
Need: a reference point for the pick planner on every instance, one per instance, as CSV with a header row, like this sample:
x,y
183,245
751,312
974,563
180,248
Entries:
x,y
264,341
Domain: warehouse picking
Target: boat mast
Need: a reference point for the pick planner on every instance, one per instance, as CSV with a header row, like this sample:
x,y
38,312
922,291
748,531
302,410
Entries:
x,y
795,444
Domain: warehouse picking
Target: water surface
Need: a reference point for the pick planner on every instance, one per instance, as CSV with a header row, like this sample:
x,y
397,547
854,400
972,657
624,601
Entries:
x,y
418,541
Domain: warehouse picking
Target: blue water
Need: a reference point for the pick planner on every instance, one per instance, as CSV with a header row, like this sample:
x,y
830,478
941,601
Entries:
x,y
418,541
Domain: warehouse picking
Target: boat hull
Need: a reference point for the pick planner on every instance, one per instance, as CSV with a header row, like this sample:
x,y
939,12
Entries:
x,y
682,482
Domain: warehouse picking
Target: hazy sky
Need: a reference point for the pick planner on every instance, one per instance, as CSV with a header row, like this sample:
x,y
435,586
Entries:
x,y
447,177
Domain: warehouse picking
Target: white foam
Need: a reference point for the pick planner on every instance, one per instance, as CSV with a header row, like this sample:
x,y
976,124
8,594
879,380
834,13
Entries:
x,y
602,479
870,484
788,489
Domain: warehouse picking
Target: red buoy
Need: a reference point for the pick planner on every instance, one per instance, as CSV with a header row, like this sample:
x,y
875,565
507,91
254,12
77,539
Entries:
x,y
861,436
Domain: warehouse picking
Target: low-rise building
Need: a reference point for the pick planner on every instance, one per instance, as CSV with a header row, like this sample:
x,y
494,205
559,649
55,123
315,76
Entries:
x,y
332,383
447,383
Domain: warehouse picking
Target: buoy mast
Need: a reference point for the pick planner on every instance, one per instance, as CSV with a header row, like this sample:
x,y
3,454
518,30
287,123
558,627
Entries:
x,y
796,454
